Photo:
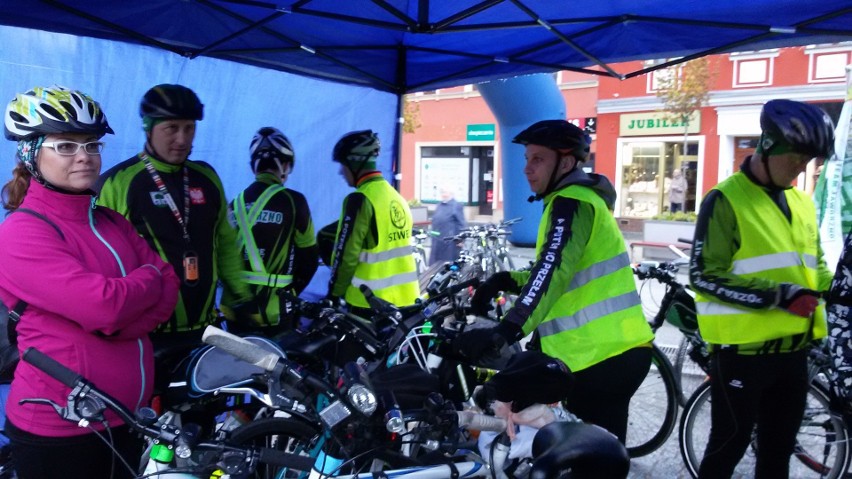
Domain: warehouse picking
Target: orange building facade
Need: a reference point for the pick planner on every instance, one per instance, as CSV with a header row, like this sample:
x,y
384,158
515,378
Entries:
x,y
456,146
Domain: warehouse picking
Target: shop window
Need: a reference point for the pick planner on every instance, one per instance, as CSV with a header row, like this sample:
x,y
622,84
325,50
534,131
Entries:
x,y
828,64
753,69
647,172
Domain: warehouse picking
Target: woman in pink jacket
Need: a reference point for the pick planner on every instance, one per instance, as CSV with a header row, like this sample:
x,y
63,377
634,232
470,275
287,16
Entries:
x,y
93,288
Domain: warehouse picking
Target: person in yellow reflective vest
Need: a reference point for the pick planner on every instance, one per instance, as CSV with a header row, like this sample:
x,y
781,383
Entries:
x,y
580,296
757,270
275,233
373,240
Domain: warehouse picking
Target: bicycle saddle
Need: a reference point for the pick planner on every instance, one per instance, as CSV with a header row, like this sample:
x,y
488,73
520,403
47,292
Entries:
x,y
578,451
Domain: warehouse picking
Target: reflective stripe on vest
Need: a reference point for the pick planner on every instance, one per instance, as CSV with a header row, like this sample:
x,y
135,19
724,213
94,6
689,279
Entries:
x,y
772,248
385,255
377,284
597,270
269,280
599,315
771,261
246,220
589,314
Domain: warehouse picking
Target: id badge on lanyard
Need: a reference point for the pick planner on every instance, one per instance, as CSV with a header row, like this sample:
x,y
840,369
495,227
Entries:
x,y
190,268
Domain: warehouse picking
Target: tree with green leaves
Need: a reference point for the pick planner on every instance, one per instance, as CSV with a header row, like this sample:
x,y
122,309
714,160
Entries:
x,y
684,91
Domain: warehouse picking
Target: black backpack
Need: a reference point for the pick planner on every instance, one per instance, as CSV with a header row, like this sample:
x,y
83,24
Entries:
x,y
9,355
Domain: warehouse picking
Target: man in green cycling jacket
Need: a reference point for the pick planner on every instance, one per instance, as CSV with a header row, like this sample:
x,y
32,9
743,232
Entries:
x,y
580,296
373,240
178,205
757,269
274,226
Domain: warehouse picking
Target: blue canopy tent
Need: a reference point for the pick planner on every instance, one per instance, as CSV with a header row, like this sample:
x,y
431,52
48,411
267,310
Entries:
x,y
404,45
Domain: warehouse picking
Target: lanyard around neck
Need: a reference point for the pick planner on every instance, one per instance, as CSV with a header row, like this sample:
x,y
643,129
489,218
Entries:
x,y
183,220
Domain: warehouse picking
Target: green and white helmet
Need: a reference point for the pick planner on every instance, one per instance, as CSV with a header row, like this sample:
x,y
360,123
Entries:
x,y
357,149
43,111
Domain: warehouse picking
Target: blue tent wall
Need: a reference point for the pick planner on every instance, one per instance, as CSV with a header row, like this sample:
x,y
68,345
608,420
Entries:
x,y
238,99
518,103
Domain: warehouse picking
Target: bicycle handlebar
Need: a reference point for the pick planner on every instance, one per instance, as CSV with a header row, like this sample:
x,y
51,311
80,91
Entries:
x,y
254,354
52,368
82,388
240,348
661,271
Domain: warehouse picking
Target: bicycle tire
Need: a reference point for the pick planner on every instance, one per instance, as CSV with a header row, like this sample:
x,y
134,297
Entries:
x,y
651,419
286,434
507,262
688,373
822,433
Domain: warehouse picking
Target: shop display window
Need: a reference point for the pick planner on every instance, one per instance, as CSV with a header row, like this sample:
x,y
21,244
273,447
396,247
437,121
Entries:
x,y
647,176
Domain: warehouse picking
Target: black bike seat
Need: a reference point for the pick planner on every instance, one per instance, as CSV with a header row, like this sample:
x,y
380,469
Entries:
x,y
585,451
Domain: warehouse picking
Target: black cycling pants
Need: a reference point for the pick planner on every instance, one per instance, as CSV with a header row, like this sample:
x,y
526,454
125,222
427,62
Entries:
x,y
768,391
602,392
75,457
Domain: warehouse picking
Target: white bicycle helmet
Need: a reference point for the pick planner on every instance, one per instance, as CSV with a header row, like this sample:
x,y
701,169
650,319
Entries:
x,y
43,111
270,147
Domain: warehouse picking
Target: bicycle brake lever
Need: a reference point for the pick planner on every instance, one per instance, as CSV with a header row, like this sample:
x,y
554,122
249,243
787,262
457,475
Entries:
x,y
64,413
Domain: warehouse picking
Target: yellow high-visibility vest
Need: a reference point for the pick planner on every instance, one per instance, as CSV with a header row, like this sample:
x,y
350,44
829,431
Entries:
x,y
772,248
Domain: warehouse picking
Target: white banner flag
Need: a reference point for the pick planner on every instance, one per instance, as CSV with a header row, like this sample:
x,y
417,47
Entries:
x,y
834,195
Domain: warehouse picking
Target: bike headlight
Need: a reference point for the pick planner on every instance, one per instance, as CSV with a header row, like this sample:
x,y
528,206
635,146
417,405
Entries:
x,y
394,422
183,451
362,399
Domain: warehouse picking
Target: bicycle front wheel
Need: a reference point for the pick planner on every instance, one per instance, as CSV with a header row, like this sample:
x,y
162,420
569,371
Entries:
x,y
653,408
284,434
821,443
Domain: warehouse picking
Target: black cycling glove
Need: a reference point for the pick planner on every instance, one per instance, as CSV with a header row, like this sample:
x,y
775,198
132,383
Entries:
x,y
480,304
475,344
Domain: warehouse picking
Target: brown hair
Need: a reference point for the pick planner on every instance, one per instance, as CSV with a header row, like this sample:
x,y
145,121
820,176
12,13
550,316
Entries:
x,y
14,191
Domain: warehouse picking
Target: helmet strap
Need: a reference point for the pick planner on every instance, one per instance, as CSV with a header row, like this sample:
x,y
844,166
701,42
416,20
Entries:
x,y
764,160
553,178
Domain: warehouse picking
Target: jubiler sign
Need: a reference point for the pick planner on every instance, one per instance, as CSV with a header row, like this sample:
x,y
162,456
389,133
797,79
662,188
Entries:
x,y
656,123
